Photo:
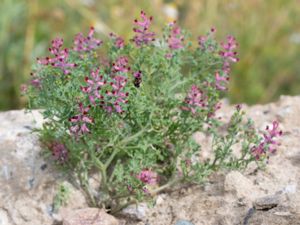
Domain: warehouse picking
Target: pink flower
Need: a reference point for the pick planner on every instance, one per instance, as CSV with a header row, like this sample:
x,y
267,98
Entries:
x,y
60,57
94,85
118,41
221,82
142,35
267,144
228,53
175,40
148,177
86,44
59,152
116,98
203,40
80,121
121,65
195,99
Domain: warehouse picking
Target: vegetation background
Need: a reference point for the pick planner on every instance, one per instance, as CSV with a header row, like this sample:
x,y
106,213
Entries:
x,y
268,32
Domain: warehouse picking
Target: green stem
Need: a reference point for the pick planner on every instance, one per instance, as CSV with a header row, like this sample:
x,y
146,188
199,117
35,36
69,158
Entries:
x,y
117,209
165,186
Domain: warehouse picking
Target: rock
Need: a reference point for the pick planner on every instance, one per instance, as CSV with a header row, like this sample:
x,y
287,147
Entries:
x,y
183,222
241,186
4,218
137,211
28,182
267,202
88,216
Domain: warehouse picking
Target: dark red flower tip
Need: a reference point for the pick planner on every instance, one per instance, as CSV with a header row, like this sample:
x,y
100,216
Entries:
x,y
86,79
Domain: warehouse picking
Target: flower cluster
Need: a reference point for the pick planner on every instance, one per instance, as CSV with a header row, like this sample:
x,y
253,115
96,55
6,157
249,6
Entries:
x,y
142,33
94,84
203,41
194,100
229,53
59,152
221,82
267,144
118,41
86,44
108,93
176,38
148,177
80,121
121,65
60,57
116,97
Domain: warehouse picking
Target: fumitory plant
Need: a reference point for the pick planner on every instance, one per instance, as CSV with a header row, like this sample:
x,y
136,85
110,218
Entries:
x,y
129,115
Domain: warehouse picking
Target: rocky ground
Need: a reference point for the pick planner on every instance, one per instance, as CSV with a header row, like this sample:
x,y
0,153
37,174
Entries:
x,y
28,184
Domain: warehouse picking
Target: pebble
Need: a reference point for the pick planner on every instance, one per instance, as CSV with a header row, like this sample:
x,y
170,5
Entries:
x,y
267,202
183,222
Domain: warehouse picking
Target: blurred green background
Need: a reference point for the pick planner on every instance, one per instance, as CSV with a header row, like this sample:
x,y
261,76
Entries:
x,y
268,32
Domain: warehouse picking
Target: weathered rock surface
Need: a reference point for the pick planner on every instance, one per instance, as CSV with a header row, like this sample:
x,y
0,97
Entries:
x,y
28,184
88,216
265,197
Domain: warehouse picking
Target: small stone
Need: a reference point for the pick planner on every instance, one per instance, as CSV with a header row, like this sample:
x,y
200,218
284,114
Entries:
x,y
136,211
183,222
267,202
88,216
